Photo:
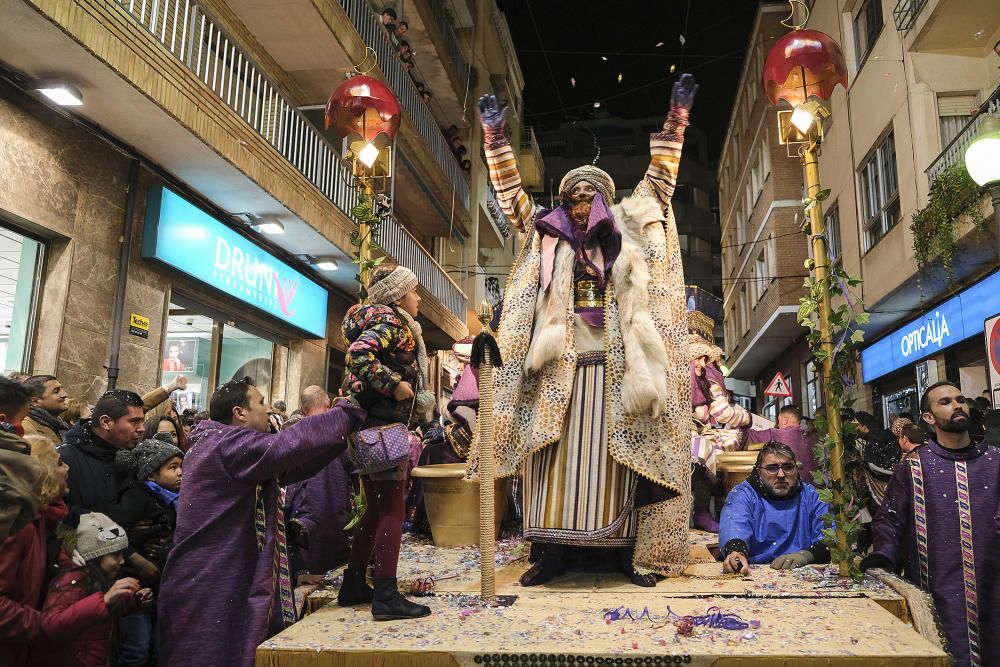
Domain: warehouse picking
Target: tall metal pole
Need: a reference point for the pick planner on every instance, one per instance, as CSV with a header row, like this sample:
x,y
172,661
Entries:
x,y
365,234
487,508
124,261
810,161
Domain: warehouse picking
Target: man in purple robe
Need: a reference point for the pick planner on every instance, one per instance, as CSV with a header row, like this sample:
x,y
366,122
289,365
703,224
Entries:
x,y
789,432
939,521
226,583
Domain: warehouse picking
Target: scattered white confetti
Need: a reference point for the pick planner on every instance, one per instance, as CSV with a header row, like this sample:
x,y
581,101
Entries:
x,y
682,40
619,77
604,58
597,105
659,44
572,82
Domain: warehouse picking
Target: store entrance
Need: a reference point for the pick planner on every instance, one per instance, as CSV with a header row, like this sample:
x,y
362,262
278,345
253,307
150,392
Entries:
x,y
211,349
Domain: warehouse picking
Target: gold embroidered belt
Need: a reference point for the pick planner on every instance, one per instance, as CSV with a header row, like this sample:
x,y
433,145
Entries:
x,y
588,294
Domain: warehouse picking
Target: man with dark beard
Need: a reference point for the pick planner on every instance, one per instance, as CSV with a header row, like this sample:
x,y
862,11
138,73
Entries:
x,y
938,523
594,391
773,517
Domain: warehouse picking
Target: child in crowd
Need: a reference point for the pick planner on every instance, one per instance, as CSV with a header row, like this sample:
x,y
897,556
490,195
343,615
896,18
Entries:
x,y
85,600
147,507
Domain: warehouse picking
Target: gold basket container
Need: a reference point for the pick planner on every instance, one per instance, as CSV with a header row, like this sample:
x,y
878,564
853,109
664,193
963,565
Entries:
x,y
452,504
734,467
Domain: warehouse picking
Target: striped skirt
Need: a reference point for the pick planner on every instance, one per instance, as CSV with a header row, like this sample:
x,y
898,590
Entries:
x,y
574,491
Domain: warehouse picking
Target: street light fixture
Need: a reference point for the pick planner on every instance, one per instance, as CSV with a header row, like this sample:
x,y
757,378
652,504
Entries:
x,y
364,112
803,68
982,159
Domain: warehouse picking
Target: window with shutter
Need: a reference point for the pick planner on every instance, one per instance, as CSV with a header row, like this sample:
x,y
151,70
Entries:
x,y
954,112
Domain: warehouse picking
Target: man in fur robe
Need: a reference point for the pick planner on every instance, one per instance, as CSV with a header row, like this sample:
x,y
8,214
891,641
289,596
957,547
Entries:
x,y
593,399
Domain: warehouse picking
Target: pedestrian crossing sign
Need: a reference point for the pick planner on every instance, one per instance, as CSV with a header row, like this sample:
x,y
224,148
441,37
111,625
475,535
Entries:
x,y
778,387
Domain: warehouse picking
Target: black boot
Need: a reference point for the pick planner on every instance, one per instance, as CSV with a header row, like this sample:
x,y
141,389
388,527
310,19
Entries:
x,y
550,564
354,590
389,605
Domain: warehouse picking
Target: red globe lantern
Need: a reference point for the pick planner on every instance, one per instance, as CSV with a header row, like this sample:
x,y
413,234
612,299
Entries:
x,y
363,106
802,64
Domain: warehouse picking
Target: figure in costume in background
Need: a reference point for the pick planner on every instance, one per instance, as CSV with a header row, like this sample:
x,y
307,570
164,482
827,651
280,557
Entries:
x,y
592,393
711,405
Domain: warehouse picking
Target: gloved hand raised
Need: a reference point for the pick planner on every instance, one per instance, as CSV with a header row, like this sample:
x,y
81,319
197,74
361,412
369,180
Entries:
x,y
683,93
490,113
792,560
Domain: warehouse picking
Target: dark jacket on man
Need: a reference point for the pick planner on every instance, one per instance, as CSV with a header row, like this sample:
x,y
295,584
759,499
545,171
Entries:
x,y
93,479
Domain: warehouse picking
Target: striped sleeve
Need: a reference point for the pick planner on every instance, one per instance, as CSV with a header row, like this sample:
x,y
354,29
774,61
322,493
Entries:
x,y
516,204
665,151
727,413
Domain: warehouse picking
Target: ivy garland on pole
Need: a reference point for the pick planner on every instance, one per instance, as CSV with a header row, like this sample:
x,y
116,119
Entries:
x,y
368,228
844,321
953,195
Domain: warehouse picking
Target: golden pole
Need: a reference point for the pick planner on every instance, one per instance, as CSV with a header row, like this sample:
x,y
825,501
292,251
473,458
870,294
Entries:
x,y
487,508
810,162
365,234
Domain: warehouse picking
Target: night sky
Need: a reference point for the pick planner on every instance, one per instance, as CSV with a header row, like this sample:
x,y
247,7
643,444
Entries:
x,y
574,36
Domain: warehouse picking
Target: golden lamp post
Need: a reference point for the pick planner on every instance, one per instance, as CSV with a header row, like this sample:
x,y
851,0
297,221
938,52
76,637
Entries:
x,y
364,112
802,68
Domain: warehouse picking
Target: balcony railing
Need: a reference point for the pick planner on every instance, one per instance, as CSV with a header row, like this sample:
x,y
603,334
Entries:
x,y
506,42
954,153
190,35
530,143
451,41
374,35
401,246
905,13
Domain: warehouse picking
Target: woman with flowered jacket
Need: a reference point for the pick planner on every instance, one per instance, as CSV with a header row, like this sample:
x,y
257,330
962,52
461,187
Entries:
x,y
387,374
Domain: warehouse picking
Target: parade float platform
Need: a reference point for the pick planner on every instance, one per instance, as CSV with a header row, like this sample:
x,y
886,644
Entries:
x,y
806,617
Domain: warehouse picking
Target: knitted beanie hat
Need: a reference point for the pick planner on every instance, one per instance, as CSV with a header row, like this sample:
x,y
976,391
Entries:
x,y
391,287
145,458
599,178
97,535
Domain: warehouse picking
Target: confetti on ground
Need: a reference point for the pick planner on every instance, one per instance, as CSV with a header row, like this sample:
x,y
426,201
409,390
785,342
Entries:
x,y
619,77
572,82
682,40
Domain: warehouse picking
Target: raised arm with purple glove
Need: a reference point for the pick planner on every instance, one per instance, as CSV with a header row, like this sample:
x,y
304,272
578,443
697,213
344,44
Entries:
x,y
493,118
681,101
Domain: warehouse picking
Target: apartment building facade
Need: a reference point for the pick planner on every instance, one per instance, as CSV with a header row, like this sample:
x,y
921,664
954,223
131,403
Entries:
x,y
200,146
922,75
760,207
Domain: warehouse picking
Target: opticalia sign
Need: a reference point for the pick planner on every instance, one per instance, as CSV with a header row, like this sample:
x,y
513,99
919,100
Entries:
x,y
953,321
184,237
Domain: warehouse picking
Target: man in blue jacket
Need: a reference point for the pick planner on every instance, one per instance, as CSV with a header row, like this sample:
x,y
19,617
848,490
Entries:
x,y
773,517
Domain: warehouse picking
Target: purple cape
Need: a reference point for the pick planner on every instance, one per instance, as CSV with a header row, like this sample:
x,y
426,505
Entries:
x,y
896,534
217,597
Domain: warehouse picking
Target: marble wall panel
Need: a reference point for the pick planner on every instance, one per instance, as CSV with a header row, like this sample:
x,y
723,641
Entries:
x,y
95,267
52,299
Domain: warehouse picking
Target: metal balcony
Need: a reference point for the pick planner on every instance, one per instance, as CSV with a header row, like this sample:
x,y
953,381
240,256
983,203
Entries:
x,y
454,51
532,167
954,153
499,219
905,13
191,36
370,29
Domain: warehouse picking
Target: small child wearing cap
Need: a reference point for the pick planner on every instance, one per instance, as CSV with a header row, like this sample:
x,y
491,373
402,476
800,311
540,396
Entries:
x,y
147,504
85,599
